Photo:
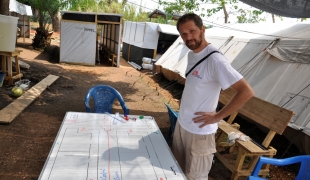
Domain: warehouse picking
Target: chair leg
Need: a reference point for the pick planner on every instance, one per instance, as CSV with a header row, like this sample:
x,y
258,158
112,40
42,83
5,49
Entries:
x,y
168,139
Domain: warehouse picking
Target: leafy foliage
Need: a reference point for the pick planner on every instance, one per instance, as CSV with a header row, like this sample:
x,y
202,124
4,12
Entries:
x,y
248,16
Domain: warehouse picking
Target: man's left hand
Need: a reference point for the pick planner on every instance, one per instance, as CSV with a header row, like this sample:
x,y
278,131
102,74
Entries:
x,y
205,118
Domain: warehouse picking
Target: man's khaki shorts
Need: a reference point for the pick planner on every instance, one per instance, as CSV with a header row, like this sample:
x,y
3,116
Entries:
x,y
193,152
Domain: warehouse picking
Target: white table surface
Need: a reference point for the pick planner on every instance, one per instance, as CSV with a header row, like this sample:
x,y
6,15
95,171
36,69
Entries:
x,y
91,146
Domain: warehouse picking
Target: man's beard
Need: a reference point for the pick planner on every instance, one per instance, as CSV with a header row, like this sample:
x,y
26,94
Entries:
x,y
196,44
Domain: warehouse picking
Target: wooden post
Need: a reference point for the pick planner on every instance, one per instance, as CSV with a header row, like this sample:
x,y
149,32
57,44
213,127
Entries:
x,y
155,52
24,30
10,72
110,35
129,45
3,63
115,39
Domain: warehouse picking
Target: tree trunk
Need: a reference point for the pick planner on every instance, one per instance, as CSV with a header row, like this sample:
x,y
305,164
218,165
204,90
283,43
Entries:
x,y
55,23
273,20
5,7
41,20
35,13
225,12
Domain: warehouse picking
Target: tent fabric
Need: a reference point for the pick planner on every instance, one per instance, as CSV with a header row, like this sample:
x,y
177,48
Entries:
x,y
20,8
125,51
142,35
293,9
168,29
274,60
78,43
136,54
145,34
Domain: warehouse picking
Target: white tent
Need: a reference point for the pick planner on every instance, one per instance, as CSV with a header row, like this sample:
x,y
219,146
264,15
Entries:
x,y
23,12
78,42
146,39
275,60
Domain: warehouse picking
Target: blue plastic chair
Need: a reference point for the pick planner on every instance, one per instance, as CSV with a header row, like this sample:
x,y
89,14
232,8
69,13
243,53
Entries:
x,y
104,97
304,170
173,117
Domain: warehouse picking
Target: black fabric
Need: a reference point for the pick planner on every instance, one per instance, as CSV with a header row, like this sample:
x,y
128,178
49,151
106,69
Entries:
x,y
110,18
137,53
125,51
78,17
285,8
200,61
165,41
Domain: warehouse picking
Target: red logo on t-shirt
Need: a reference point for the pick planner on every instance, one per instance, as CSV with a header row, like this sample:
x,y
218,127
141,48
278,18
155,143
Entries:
x,y
195,73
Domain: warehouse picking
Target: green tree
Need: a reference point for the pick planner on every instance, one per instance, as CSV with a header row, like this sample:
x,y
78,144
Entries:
x,y
186,6
47,9
248,16
179,6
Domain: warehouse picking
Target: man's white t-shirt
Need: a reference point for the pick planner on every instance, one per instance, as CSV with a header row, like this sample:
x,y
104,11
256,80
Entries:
x,y
202,87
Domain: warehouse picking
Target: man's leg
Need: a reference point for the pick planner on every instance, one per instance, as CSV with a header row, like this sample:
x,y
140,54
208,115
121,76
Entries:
x,y
178,147
201,156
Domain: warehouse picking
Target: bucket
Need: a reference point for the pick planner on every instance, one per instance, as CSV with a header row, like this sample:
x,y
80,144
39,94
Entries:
x,y
8,30
2,75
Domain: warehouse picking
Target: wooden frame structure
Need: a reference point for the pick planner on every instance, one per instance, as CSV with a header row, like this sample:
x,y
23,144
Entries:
x,y
261,112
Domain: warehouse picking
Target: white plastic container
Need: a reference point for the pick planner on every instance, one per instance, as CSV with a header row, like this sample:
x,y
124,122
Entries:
x,y
147,60
8,30
147,66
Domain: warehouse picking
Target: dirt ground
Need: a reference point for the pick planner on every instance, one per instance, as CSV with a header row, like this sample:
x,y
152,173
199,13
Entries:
x,y
25,143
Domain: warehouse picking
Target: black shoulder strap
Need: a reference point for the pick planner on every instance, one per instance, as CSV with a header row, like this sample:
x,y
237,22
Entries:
x,y
200,62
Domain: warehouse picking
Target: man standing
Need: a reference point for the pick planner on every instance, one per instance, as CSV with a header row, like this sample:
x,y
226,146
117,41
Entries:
x,y
193,140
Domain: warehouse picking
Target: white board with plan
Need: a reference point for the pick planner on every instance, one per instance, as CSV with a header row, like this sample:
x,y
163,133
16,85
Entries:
x,y
91,146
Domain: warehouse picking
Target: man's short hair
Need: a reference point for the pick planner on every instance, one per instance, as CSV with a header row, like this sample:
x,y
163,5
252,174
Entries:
x,y
190,17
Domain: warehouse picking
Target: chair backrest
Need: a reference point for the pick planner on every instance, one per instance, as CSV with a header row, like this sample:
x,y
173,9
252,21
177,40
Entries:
x,y
304,170
173,116
104,97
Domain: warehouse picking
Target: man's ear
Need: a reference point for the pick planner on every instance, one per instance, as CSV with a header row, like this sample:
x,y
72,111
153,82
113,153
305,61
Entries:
x,y
203,29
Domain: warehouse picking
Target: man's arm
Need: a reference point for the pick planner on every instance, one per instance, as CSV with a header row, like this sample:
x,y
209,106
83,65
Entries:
x,y
244,93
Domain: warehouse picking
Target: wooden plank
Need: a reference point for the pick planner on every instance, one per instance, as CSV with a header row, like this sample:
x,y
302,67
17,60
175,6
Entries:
x,y
80,22
24,27
9,113
107,22
262,112
17,76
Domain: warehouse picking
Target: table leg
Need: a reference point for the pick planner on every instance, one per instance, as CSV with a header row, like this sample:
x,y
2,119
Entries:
x,y
10,73
17,65
3,63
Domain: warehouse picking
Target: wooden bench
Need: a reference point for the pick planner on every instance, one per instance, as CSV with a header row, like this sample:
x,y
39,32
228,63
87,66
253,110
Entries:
x,y
259,112
108,54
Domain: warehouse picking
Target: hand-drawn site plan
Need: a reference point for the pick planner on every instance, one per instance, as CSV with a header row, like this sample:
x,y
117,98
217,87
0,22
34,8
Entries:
x,y
91,146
